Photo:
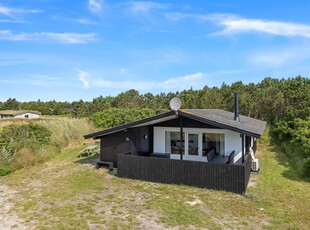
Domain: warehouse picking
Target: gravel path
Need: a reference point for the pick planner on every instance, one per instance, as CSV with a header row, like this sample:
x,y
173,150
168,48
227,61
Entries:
x,y
7,219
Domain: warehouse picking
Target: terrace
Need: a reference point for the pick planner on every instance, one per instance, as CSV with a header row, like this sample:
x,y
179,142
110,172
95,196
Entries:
x,y
160,168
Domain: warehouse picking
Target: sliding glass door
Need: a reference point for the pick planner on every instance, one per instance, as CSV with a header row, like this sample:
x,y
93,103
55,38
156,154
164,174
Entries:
x,y
213,141
196,144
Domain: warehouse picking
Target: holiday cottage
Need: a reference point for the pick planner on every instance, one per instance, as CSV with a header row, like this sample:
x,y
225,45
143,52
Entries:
x,y
209,148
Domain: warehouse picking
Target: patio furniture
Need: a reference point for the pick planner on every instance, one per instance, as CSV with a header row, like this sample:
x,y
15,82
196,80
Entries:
x,y
89,150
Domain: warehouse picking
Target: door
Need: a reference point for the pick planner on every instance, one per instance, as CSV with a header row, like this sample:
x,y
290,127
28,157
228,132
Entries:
x,y
192,147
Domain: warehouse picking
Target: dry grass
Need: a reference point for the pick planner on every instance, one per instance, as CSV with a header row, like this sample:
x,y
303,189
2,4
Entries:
x,y
68,131
65,131
69,193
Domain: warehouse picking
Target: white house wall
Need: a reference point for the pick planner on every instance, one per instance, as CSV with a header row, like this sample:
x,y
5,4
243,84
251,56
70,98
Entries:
x,y
30,115
232,140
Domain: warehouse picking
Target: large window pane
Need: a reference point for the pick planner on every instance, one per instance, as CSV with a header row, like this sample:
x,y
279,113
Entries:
x,y
173,142
193,144
213,141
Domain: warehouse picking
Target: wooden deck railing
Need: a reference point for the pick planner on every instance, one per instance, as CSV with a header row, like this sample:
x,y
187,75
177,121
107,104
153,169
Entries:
x,y
228,177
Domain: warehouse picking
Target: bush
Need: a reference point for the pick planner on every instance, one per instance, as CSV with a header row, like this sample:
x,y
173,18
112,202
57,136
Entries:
x,y
306,167
23,145
113,117
5,171
294,138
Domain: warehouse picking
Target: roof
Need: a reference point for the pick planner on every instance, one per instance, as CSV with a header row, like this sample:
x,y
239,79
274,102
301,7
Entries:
x,y
224,119
17,112
216,117
147,121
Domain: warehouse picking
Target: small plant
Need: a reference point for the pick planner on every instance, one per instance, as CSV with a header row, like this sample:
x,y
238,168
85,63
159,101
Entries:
x,y
42,150
306,167
8,152
5,171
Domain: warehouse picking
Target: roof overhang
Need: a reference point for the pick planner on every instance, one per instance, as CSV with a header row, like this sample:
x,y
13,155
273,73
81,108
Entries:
x,y
223,124
218,124
144,122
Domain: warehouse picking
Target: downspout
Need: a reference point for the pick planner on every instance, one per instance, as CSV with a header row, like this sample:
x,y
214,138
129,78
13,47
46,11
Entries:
x,y
242,144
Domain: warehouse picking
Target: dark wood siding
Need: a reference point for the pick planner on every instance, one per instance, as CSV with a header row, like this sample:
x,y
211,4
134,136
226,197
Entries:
x,y
186,122
131,140
233,178
112,145
140,144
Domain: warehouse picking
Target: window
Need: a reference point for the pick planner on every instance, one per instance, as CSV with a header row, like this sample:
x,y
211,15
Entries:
x,y
213,141
173,142
193,144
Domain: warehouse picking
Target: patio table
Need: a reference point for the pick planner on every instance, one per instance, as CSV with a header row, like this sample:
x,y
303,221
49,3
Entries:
x,y
89,150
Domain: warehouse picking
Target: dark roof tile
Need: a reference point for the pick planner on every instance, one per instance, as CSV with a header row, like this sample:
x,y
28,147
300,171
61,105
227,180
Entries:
x,y
216,117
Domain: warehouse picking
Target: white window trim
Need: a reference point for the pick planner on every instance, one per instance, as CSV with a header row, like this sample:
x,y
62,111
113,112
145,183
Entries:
x,y
192,131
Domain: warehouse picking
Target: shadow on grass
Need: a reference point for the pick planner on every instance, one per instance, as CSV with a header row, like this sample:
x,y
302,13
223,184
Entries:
x,y
290,168
90,160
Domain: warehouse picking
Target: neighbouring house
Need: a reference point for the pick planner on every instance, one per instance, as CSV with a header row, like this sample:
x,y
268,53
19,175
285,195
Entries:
x,y
216,147
19,114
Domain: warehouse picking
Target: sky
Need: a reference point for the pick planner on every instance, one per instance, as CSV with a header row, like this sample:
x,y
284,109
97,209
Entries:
x,y
67,50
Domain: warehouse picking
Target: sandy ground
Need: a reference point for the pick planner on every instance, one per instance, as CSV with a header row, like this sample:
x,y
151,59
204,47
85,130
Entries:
x,y
7,219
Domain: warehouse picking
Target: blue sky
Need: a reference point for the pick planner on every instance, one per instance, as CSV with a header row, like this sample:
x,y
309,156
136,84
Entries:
x,y
68,50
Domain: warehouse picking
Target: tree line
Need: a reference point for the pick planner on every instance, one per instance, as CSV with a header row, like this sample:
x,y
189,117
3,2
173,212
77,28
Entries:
x,y
271,100
283,103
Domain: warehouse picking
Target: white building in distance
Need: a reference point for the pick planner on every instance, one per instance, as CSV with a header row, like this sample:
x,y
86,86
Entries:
x,y
28,114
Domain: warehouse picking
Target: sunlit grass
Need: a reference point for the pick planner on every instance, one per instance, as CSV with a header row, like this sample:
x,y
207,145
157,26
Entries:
x,y
69,193
68,131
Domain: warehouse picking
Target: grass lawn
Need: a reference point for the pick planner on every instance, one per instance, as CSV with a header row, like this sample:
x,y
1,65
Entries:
x,y
69,193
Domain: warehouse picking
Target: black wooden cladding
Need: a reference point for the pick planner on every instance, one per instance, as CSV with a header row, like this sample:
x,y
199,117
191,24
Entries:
x,y
232,178
186,123
134,140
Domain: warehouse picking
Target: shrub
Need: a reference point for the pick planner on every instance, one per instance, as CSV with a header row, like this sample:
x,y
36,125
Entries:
x,y
306,167
294,138
113,117
5,171
23,145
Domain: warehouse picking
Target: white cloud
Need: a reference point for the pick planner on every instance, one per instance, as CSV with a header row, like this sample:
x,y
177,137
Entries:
x,y
191,80
71,38
6,11
281,57
11,21
83,21
84,78
36,80
178,83
176,16
96,6
145,6
234,24
11,12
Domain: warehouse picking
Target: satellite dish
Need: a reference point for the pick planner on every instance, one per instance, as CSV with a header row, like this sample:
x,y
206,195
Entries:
x,y
175,104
